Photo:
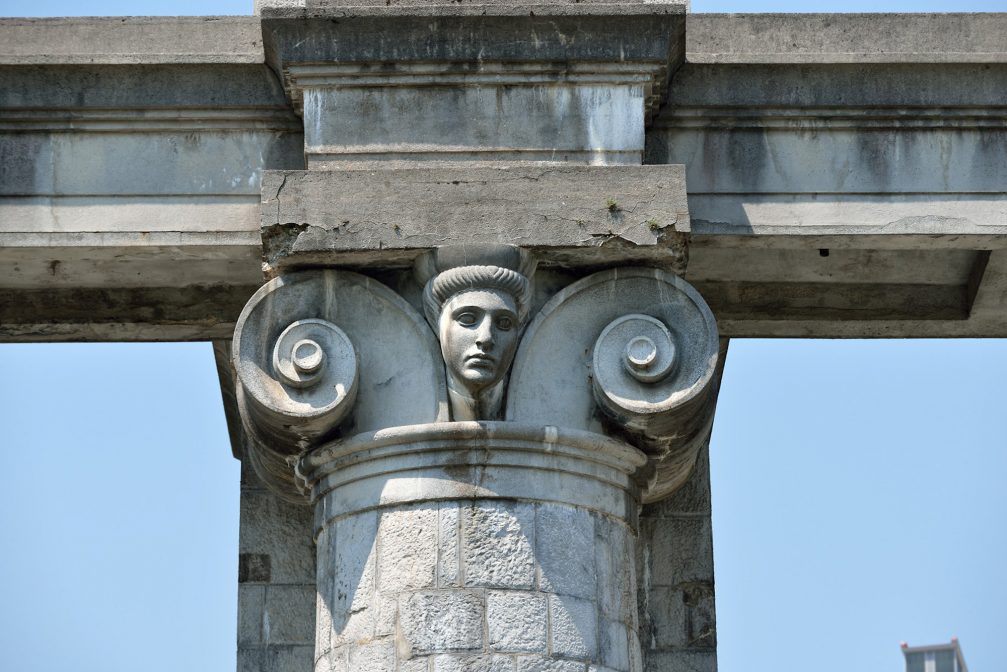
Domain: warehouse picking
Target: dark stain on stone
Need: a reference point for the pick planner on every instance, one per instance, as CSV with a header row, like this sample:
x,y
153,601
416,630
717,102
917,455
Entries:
x,y
254,568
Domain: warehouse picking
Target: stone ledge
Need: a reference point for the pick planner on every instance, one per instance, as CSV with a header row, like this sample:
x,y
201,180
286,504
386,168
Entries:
x,y
846,38
134,40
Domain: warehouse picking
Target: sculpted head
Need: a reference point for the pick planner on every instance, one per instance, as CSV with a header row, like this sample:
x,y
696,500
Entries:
x,y
478,312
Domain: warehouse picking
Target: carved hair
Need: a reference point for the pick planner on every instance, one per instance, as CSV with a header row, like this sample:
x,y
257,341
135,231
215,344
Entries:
x,y
444,285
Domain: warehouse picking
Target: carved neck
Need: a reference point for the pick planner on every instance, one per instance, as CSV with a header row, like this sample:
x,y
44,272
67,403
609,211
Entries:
x,y
486,405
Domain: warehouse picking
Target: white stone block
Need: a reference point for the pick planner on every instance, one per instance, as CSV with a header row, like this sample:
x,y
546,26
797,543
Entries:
x,y
565,550
414,665
407,559
387,613
448,559
614,645
373,656
442,621
543,664
498,543
516,621
573,627
289,615
353,564
615,564
483,663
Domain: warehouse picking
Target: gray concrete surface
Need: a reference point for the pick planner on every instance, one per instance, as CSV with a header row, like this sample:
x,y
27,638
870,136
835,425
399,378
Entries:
x,y
568,216
847,38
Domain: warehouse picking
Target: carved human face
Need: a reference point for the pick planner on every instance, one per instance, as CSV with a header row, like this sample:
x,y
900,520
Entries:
x,y
478,332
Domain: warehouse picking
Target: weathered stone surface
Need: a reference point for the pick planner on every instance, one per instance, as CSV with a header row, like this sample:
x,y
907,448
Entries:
x,y
846,38
279,531
448,546
564,550
573,627
498,541
682,618
289,615
543,664
568,216
516,621
680,549
348,8
574,367
615,563
377,365
435,622
614,644
131,40
463,663
584,113
407,559
372,656
288,659
252,602
682,661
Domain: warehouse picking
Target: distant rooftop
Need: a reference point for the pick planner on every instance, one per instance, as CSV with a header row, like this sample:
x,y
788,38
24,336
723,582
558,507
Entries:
x,y
935,657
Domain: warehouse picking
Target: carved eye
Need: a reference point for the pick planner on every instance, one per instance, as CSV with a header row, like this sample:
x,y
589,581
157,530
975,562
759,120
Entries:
x,y
505,323
466,319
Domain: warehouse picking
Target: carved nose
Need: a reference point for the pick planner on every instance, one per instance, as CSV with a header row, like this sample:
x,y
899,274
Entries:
x,y
484,337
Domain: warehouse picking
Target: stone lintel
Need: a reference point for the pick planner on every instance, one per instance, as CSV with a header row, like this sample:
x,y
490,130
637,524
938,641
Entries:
x,y
577,217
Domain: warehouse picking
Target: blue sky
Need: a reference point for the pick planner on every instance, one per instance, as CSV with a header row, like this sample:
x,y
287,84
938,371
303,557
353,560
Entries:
x,y
858,489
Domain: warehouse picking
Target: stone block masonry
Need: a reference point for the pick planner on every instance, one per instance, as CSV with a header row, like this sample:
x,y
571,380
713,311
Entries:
x,y
477,584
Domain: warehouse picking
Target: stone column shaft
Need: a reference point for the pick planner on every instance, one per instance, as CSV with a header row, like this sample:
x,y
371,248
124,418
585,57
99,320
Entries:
x,y
471,546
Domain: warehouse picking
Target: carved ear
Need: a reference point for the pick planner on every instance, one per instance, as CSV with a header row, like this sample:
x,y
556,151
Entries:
x,y
631,351
323,352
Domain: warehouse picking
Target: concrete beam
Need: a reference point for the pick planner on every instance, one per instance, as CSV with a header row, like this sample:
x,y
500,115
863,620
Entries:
x,y
569,216
847,38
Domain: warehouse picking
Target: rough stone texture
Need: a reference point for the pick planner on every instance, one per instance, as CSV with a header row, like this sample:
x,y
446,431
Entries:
x,y
846,38
573,627
498,545
522,584
575,216
276,594
564,545
517,622
488,663
442,621
131,40
413,565
676,582
543,664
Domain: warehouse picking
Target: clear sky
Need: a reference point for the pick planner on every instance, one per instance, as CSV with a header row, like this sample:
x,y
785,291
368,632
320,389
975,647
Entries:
x,y
858,489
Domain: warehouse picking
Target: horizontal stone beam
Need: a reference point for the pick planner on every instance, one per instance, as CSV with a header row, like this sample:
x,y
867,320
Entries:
x,y
847,38
570,217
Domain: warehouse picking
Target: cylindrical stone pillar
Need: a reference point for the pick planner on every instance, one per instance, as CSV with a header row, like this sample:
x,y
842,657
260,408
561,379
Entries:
x,y
480,546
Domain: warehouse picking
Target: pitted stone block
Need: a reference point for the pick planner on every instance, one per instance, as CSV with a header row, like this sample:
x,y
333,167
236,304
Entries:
x,y
498,545
564,538
516,621
433,622
573,627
